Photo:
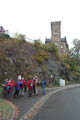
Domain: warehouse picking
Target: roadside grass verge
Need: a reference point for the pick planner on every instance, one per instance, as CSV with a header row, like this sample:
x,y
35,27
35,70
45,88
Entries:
x,y
6,110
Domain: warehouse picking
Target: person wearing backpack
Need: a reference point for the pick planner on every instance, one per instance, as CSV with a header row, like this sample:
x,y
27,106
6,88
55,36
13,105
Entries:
x,y
16,93
9,87
43,84
21,88
17,88
30,87
4,86
24,84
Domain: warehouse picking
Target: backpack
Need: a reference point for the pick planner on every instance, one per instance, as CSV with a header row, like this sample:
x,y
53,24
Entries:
x,y
21,85
31,84
8,87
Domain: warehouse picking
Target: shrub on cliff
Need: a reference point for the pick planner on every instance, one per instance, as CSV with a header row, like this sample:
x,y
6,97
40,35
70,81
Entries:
x,y
52,48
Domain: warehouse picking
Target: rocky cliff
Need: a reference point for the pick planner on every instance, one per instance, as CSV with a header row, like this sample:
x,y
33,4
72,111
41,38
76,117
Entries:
x,y
21,57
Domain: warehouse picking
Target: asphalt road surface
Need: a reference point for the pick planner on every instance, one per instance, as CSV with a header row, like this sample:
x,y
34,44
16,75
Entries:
x,y
64,105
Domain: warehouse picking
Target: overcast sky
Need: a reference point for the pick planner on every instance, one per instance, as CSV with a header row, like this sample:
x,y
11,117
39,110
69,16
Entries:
x,y
33,17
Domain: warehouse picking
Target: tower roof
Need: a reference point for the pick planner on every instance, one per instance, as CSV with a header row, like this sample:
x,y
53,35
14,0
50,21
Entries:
x,y
64,40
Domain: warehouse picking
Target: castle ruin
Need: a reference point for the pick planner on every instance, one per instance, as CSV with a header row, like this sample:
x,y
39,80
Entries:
x,y
61,43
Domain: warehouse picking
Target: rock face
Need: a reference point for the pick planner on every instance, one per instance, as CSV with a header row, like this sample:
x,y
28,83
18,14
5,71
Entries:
x,y
19,57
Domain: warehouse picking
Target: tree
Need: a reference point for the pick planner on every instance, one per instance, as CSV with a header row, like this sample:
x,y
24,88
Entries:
x,y
75,51
4,36
19,36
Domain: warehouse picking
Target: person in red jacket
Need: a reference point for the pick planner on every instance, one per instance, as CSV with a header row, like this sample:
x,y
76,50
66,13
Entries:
x,y
9,87
4,92
12,81
30,87
25,84
13,84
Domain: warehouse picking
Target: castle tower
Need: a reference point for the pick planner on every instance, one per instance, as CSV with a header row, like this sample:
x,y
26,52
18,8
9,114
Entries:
x,y
56,34
60,43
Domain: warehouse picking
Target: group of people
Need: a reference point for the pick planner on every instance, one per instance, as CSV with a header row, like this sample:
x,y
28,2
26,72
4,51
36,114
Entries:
x,y
18,88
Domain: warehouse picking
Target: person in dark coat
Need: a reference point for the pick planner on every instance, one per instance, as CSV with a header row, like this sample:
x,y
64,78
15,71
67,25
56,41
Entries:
x,y
34,86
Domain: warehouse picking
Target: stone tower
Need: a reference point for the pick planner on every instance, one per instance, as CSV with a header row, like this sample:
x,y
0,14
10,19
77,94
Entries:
x,y
56,34
60,43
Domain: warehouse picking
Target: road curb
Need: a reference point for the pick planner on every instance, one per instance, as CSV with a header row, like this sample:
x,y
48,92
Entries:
x,y
36,107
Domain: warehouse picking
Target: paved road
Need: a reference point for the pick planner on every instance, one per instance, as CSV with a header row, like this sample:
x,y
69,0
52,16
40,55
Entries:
x,y
24,104
64,105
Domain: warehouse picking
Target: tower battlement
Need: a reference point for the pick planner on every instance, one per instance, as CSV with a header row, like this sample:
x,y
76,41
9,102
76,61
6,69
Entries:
x,y
56,22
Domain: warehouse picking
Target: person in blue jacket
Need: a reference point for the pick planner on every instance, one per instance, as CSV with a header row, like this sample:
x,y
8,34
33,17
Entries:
x,y
43,84
17,88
